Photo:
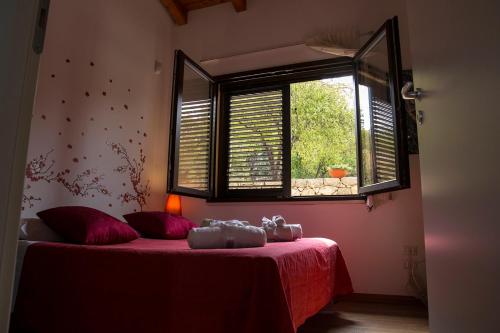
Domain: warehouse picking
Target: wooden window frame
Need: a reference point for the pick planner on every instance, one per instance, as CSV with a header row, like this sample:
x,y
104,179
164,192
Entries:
x,y
182,59
267,79
282,76
402,181
222,184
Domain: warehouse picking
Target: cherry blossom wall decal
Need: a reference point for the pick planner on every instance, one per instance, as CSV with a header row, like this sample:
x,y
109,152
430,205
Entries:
x,y
41,168
29,199
133,168
74,131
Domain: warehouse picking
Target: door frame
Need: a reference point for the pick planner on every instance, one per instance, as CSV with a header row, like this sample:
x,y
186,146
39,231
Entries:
x,y
19,62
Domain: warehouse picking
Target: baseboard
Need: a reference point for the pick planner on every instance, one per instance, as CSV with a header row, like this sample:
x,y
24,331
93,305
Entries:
x,y
379,298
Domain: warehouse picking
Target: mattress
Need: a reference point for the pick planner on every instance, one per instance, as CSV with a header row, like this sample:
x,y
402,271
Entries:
x,y
152,286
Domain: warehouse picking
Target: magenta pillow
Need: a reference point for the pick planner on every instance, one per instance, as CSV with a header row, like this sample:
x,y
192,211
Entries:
x,y
160,225
84,225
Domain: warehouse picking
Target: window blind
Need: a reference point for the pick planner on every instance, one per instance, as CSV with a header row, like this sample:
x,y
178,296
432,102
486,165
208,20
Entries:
x,y
255,153
384,140
194,144
191,133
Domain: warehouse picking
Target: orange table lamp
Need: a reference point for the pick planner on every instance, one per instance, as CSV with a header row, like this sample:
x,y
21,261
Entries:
x,y
173,204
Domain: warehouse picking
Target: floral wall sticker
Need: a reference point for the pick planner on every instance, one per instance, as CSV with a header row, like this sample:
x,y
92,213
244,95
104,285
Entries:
x,y
134,168
81,184
88,141
29,199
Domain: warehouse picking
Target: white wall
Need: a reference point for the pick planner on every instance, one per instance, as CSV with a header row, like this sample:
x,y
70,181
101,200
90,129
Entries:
x,y
371,242
219,31
106,49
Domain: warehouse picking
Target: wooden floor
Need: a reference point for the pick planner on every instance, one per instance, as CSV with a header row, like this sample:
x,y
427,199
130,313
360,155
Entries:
x,y
361,317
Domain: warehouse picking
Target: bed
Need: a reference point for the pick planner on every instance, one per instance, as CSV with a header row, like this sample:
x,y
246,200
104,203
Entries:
x,y
150,286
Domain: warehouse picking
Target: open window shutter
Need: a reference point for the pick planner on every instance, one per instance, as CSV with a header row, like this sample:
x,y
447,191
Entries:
x,y
192,129
381,126
257,157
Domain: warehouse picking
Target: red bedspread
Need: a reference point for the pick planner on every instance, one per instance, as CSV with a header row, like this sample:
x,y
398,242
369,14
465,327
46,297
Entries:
x,y
148,286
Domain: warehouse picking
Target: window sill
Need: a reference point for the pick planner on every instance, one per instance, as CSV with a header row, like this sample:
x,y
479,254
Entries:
x,y
305,200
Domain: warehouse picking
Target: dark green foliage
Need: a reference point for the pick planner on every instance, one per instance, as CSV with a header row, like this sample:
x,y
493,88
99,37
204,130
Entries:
x,y
323,128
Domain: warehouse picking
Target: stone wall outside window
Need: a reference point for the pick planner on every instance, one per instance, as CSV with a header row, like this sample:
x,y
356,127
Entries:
x,y
324,186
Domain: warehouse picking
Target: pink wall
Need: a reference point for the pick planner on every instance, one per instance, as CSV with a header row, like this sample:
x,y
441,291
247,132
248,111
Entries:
x,y
372,242
100,109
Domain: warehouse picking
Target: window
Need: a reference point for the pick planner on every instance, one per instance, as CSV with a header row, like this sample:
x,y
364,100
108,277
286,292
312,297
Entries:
x,y
256,134
191,141
330,129
323,137
382,144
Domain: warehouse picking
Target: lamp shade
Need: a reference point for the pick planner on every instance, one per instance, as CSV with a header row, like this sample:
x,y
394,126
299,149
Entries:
x,y
173,204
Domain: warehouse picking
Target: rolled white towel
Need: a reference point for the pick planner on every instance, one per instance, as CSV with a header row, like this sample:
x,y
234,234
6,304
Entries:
x,y
206,238
296,230
224,234
215,222
269,233
288,233
283,234
232,223
274,222
279,220
246,236
277,230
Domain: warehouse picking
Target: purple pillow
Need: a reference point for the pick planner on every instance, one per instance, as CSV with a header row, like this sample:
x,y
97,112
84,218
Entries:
x,y
160,225
84,225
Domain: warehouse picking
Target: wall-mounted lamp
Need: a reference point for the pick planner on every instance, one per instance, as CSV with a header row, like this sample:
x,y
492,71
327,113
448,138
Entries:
x,y
173,204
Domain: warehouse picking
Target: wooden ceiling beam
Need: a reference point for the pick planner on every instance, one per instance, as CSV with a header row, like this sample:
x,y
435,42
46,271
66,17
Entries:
x,y
239,5
177,12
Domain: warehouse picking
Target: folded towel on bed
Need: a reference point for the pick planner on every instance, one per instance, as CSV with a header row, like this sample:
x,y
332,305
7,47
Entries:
x,y
206,238
215,222
226,234
277,230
